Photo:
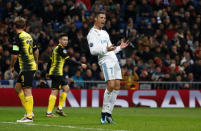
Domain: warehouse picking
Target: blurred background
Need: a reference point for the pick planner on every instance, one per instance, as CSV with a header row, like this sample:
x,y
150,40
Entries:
x,y
165,49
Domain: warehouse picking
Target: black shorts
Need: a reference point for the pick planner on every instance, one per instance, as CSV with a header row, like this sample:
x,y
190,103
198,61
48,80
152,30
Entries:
x,y
58,82
26,78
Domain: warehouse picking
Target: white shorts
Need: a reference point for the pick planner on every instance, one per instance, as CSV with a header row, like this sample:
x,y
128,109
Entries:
x,y
111,71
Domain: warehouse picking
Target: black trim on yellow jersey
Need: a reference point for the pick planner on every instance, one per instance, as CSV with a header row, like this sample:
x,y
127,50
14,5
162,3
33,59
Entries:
x,y
62,51
58,59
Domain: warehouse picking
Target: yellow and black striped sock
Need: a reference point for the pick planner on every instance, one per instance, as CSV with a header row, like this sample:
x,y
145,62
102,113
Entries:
x,y
62,99
52,100
29,106
22,98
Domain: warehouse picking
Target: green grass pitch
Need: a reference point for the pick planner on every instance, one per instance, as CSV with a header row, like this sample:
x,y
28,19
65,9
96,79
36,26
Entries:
x,y
127,119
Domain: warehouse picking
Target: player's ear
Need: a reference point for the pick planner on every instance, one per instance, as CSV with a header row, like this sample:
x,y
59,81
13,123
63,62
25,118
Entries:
x,y
59,40
95,19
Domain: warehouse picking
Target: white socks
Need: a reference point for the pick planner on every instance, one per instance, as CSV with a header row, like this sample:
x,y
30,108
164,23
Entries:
x,y
109,100
106,101
115,93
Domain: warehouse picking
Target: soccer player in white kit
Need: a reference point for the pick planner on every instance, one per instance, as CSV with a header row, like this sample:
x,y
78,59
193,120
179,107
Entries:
x,y
100,45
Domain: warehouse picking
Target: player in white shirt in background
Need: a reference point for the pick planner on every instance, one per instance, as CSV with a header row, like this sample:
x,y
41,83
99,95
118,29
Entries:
x,y
100,45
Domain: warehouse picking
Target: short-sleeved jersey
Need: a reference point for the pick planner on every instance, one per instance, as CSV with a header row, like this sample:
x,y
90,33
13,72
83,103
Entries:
x,y
23,46
58,58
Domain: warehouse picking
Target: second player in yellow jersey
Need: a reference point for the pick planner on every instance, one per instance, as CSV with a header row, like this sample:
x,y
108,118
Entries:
x,y
59,56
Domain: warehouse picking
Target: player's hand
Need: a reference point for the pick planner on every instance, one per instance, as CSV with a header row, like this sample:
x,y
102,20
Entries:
x,y
111,48
11,69
124,44
84,66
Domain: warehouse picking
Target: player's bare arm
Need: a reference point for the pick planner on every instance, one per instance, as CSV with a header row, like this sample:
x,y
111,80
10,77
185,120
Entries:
x,y
13,60
124,44
110,48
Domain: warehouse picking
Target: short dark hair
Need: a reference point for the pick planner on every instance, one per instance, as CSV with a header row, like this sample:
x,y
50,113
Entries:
x,y
20,22
63,35
99,12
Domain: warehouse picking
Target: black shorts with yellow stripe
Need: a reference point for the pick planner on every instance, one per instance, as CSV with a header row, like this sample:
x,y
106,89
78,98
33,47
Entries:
x,y
58,82
26,78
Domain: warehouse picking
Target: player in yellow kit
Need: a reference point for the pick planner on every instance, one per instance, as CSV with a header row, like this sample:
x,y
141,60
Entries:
x,y
26,51
59,56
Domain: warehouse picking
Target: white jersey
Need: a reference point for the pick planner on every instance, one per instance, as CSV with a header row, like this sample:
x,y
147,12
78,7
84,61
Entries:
x,y
97,41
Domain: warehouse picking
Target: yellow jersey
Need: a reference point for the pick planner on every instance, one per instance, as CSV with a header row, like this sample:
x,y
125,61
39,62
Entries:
x,y
23,46
58,58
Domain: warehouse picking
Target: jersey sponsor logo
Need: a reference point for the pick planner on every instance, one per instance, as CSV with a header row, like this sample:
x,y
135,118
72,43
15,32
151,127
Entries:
x,y
91,45
65,51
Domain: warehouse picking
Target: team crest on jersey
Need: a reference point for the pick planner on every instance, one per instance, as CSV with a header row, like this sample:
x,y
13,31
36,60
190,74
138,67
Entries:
x,y
91,45
65,51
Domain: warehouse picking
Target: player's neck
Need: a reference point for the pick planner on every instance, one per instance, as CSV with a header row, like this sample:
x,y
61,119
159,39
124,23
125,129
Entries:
x,y
62,45
97,27
19,30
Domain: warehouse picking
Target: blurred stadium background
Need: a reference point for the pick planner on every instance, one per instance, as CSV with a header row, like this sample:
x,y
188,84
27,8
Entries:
x,y
160,68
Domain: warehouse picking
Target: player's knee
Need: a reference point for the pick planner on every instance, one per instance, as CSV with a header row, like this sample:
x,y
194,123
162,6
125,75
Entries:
x,y
117,84
117,87
110,85
27,92
66,89
54,92
18,88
